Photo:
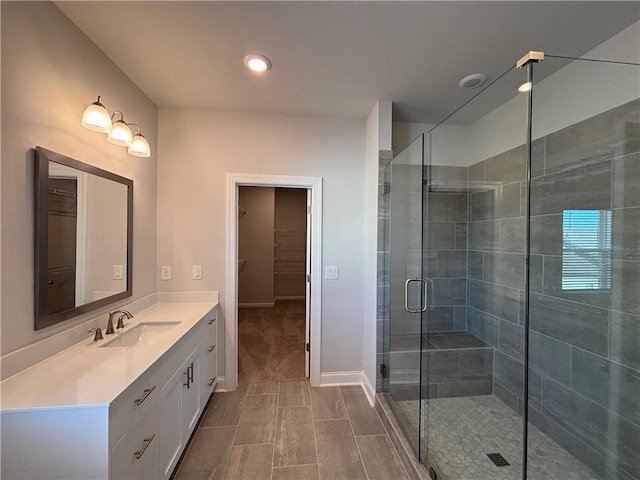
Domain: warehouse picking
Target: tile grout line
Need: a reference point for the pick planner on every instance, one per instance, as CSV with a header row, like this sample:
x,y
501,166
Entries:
x,y
313,425
399,458
235,434
354,434
275,432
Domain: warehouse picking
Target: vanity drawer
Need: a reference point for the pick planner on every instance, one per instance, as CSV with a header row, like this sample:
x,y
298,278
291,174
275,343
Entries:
x,y
133,401
137,453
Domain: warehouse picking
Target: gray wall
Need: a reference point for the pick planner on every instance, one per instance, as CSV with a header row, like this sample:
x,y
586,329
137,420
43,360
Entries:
x,y
50,72
255,244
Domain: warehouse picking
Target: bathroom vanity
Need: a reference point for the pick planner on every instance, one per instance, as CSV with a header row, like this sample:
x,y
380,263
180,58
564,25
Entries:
x,y
119,408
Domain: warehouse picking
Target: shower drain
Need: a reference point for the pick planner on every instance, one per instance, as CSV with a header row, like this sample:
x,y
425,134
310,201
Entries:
x,y
498,459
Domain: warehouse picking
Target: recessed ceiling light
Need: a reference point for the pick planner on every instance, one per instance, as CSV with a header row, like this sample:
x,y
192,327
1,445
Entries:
x,y
472,81
257,63
525,87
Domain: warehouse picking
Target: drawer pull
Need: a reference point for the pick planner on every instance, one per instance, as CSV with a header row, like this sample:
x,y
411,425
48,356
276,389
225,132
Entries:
x,y
147,442
188,385
210,349
190,372
211,381
210,322
145,394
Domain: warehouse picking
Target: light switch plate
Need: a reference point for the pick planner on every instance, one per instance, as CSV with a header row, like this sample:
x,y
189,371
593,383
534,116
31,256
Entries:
x,y
331,273
196,272
117,272
165,272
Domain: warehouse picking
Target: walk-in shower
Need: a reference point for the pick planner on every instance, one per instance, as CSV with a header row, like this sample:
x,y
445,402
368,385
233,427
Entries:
x,y
510,235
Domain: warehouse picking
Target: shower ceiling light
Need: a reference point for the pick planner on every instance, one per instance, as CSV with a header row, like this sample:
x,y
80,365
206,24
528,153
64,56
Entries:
x,y
257,62
525,87
472,81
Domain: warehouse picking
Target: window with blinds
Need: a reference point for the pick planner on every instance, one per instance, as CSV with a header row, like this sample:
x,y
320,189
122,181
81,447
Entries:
x,y
586,249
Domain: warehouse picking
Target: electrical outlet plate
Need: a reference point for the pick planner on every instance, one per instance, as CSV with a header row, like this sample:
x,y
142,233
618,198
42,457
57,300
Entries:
x,y
165,272
196,272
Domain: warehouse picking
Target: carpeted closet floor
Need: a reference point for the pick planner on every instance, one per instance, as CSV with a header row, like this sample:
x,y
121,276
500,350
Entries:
x,y
271,342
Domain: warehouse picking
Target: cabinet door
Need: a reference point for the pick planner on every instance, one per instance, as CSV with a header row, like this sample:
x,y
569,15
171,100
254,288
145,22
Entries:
x,y
209,359
136,453
171,436
191,407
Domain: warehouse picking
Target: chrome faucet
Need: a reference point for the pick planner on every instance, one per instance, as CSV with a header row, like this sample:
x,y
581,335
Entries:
x,y
123,313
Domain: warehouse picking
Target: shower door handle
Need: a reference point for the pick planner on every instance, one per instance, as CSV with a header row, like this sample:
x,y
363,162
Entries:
x,y
423,307
406,295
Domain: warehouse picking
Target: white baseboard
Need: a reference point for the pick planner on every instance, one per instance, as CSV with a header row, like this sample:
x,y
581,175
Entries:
x,y
369,391
337,379
255,305
221,385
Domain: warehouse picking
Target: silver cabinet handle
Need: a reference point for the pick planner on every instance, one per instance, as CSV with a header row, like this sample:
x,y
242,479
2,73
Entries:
x,y
211,381
210,349
146,443
144,396
423,307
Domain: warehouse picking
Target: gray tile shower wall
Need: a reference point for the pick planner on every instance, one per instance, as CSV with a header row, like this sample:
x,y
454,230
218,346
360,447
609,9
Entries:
x,y
445,246
382,291
584,375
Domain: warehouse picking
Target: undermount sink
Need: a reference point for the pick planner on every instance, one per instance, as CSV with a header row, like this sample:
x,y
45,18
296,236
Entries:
x,y
142,334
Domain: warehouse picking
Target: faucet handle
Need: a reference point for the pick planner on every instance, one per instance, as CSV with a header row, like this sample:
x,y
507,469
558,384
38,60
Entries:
x,y
98,335
121,321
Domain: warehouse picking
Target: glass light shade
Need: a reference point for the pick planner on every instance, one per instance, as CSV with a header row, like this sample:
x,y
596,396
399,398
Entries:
x,y
96,118
120,134
139,146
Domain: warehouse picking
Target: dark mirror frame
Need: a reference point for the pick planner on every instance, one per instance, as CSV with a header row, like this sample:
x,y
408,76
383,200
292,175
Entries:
x,y
42,159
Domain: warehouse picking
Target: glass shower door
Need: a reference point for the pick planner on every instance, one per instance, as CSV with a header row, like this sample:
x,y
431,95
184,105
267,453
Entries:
x,y
404,236
474,260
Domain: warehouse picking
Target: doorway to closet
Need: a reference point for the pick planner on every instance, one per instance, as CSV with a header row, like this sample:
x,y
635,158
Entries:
x,y
313,296
273,249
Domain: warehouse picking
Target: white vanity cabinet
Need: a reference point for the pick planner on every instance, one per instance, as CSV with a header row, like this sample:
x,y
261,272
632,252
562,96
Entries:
x,y
136,454
209,356
180,400
111,413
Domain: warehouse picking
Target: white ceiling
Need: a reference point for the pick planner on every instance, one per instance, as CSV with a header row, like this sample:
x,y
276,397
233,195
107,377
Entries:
x,y
334,58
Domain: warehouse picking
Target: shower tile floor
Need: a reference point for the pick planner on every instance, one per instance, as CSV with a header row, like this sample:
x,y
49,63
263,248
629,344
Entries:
x,y
463,430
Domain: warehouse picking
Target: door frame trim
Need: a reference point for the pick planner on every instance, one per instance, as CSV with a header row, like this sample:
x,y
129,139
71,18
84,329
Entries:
x,y
234,181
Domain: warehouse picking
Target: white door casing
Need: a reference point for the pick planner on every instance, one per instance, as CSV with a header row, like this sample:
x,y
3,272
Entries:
x,y
314,289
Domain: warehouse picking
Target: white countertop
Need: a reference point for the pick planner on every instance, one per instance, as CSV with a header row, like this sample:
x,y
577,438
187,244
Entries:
x,y
87,375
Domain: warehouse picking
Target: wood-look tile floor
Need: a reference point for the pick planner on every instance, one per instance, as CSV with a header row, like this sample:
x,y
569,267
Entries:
x,y
271,342
289,430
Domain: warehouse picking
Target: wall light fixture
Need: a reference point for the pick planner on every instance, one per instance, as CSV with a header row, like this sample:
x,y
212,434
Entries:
x,y
97,118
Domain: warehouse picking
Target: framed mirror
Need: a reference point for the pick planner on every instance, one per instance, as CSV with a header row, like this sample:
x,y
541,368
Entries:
x,y
83,237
